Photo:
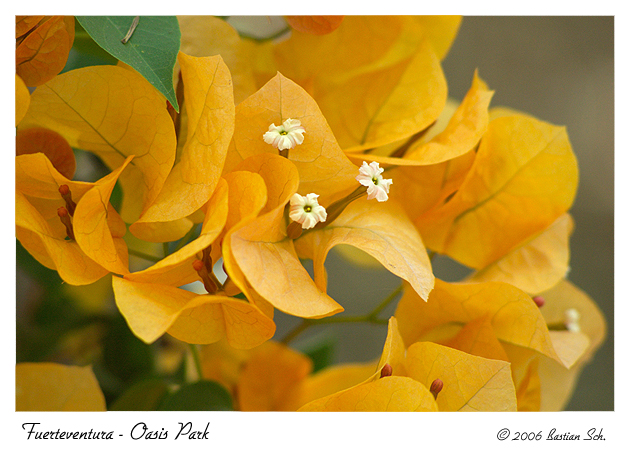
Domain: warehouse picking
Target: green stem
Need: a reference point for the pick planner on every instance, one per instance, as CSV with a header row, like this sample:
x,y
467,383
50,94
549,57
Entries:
x,y
558,326
371,317
386,302
144,255
194,350
306,323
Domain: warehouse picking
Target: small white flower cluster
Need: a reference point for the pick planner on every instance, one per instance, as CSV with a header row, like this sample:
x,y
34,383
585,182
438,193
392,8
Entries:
x,y
285,136
307,210
572,319
377,186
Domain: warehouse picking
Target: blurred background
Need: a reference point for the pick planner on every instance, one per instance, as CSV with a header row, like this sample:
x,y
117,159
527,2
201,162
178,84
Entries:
x,y
558,69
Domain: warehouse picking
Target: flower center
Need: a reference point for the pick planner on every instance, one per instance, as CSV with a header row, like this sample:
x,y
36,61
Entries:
x,y
284,133
375,181
308,208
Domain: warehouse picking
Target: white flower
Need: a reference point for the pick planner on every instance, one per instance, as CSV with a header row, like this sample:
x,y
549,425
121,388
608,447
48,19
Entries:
x,y
377,186
286,136
572,319
306,210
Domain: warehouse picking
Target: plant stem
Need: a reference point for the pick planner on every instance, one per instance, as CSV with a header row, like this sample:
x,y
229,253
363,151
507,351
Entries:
x,y
386,302
144,255
306,323
371,317
194,350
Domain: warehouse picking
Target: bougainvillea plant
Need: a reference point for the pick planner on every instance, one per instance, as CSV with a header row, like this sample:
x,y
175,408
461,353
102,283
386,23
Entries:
x,y
179,189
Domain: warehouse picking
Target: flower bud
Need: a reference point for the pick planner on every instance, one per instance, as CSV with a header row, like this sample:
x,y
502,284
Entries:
x,y
540,301
386,371
65,219
206,278
436,387
64,190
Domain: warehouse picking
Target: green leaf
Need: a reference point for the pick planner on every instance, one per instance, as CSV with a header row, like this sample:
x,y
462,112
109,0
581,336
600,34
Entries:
x,y
151,50
203,395
142,396
85,52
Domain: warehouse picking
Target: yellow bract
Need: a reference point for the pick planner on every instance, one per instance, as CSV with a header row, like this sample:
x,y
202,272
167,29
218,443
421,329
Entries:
x,y
426,187
471,383
524,175
153,303
515,318
332,379
54,387
557,383
210,111
387,105
209,36
381,230
93,226
376,79
51,144
152,309
322,166
176,269
43,52
536,265
50,248
463,132
97,226
392,393
115,113
262,259
478,338
270,378
22,99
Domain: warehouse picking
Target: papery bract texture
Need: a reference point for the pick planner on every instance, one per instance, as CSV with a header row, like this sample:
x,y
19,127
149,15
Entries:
x,y
115,113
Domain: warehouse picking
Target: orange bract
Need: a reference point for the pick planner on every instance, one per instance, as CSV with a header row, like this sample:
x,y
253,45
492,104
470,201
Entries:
x,y
317,25
51,144
42,53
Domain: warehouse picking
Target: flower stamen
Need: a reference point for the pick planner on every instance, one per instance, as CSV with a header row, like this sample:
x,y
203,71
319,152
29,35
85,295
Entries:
x,y
203,273
65,219
64,190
